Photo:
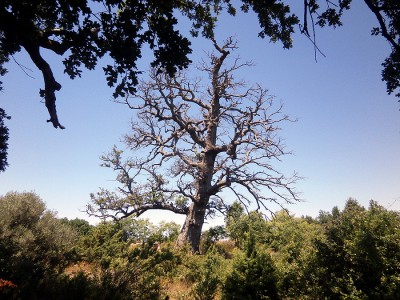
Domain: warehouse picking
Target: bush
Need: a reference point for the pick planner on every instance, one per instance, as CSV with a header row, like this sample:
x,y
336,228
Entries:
x,y
360,256
34,245
253,275
208,277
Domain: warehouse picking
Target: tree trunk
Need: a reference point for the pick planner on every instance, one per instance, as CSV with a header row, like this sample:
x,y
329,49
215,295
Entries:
x,y
191,230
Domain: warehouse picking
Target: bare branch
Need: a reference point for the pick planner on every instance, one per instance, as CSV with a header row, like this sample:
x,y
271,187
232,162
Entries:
x,y
51,85
193,144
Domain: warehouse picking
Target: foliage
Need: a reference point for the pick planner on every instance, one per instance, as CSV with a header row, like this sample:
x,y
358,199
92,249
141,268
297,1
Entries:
x,y
239,225
142,230
104,242
361,254
166,232
211,236
291,242
124,282
197,277
84,31
119,271
36,248
87,30
208,277
138,230
253,275
352,253
3,140
80,225
387,12
34,245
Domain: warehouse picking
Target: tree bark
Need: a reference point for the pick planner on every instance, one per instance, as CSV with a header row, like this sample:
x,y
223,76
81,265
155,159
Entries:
x,y
191,230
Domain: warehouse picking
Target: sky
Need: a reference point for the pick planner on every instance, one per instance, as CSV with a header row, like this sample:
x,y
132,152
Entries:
x,y
345,142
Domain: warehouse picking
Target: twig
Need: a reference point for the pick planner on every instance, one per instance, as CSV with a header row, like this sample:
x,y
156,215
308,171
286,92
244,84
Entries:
x,y
23,68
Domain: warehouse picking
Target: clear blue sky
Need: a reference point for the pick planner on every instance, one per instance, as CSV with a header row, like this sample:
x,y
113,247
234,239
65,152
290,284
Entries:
x,y
346,142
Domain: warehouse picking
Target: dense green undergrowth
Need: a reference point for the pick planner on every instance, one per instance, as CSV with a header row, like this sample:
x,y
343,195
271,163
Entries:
x,y
352,253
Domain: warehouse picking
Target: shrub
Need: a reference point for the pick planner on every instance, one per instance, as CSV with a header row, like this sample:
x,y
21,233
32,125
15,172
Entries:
x,y
253,275
34,245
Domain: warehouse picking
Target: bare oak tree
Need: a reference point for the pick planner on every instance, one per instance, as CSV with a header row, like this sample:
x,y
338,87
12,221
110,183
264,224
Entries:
x,y
192,143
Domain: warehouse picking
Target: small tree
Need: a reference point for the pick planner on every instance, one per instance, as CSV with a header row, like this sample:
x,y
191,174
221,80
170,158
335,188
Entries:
x,y
192,143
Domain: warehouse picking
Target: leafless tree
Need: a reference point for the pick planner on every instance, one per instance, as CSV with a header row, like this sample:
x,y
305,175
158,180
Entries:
x,y
193,142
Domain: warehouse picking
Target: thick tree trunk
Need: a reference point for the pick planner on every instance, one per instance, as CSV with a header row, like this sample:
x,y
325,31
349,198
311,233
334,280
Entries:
x,y
191,230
